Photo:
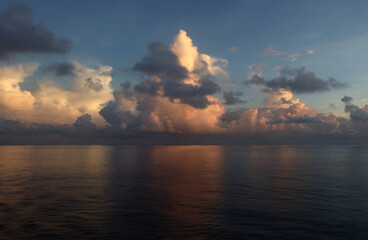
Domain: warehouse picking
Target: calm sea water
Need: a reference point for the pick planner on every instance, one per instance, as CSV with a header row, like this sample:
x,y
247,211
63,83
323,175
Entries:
x,y
183,192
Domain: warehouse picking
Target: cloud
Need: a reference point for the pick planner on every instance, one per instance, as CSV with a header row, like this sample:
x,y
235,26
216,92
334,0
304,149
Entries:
x,y
160,114
185,51
258,69
19,34
49,102
299,119
174,94
297,81
195,62
287,119
232,97
186,77
233,49
60,69
310,52
356,113
162,62
347,99
84,126
271,51
293,57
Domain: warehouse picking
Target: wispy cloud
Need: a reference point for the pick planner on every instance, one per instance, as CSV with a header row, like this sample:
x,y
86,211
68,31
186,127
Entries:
x,y
293,57
272,51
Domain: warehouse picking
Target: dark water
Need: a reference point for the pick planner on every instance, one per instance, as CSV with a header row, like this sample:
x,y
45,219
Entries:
x,y
183,192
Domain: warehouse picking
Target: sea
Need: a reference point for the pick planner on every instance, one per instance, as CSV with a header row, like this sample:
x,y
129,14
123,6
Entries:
x,y
184,192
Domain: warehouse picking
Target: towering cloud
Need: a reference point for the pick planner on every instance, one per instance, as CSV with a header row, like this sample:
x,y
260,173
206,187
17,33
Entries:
x,y
296,81
19,34
181,73
175,94
165,73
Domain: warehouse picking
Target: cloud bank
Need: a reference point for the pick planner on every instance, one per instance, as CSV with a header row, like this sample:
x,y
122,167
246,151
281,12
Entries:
x,y
50,103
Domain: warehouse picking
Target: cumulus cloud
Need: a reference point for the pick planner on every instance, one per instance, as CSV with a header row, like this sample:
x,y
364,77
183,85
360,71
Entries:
x,y
233,97
19,33
356,113
292,118
84,126
175,93
195,62
297,81
179,73
160,114
162,62
49,102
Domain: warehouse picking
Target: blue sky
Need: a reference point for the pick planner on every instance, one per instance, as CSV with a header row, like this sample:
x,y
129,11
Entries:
x,y
116,33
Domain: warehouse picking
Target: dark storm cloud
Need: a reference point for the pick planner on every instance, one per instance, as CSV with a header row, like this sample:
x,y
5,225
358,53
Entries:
x,y
60,69
163,63
82,126
84,123
112,113
347,99
232,98
115,117
14,127
193,95
356,113
147,87
19,34
297,81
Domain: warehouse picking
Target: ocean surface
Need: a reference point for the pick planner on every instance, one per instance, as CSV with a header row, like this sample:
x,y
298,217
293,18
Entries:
x,y
183,192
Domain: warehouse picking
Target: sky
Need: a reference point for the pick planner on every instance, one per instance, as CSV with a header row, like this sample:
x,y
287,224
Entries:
x,y
116,69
